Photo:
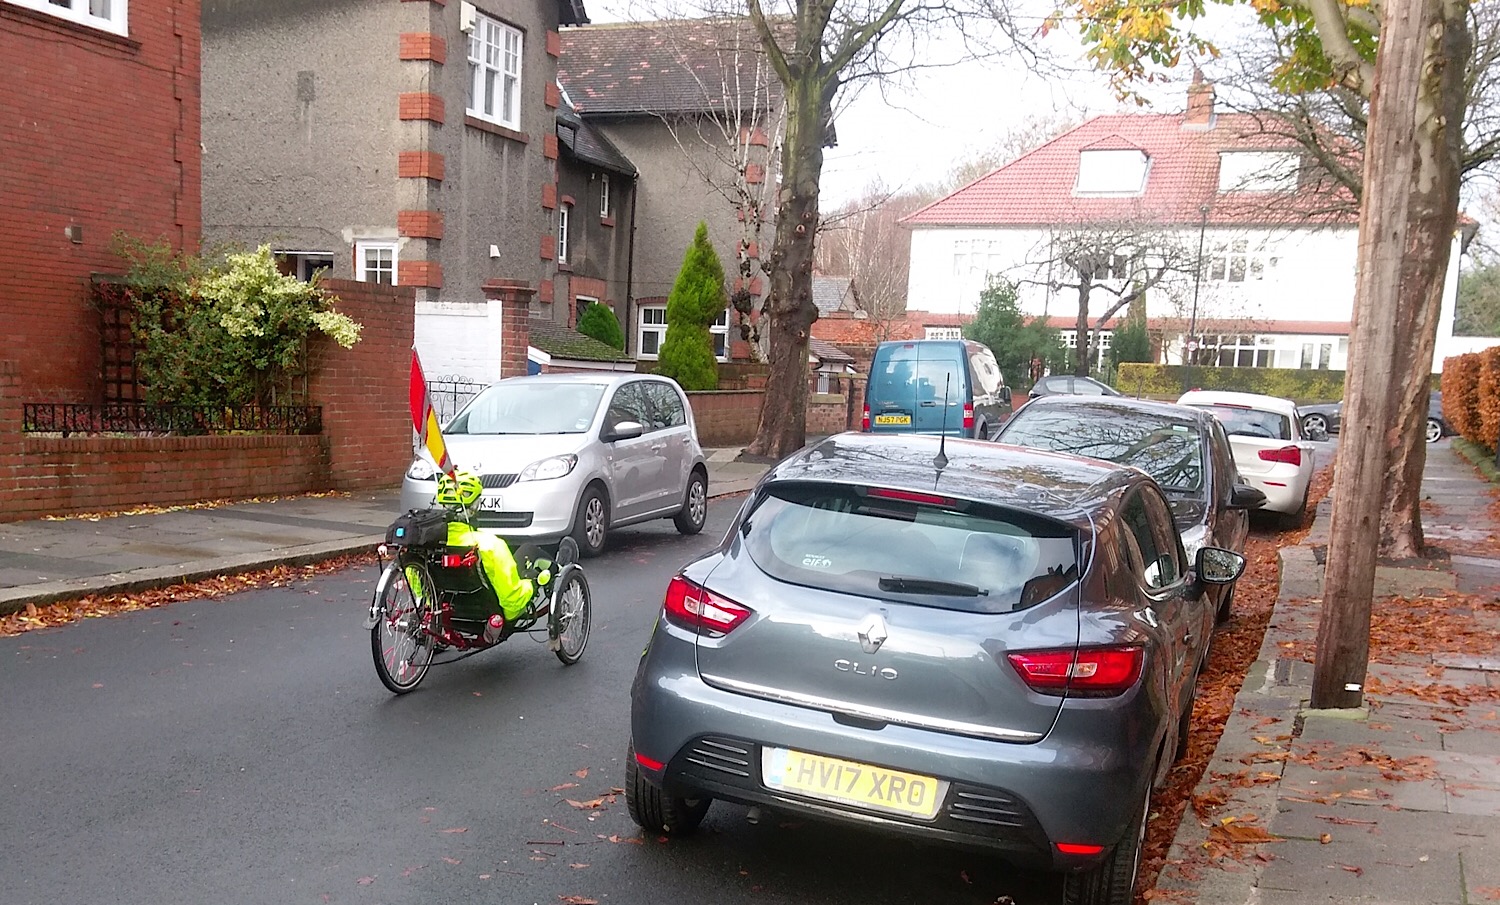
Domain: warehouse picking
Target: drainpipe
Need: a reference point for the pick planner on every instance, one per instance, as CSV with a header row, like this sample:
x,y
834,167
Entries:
x,y
635,191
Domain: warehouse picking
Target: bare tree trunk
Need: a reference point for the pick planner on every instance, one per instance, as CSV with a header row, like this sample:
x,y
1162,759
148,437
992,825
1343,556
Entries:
x,y
783,414
1431,221
1390,161
1081,352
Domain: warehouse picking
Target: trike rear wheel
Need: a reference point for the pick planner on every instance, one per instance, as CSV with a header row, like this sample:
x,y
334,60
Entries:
x,y
401,646
572,616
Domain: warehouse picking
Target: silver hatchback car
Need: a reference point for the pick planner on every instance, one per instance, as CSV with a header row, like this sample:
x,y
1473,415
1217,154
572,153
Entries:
x,y
575,455
974,644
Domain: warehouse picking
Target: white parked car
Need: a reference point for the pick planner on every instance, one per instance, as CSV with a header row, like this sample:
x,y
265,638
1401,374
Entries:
x,y
1270,451
575,455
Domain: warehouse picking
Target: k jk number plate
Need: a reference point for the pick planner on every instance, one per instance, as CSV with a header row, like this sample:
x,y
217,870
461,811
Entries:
x,y
491,504
892,419
849,782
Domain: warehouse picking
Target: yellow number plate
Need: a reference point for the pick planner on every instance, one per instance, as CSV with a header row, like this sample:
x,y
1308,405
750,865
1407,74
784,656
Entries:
x,y
849,782
892,419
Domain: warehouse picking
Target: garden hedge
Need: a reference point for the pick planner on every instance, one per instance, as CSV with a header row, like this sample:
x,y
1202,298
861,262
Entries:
x,y
1471,396
1303,386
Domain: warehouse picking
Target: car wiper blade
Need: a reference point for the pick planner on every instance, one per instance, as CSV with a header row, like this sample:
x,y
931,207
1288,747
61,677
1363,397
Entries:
x,y
904,584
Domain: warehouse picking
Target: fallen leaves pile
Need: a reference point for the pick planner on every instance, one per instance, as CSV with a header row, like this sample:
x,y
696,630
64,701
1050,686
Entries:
x,y
1235,647
96,606
1406,631
206,504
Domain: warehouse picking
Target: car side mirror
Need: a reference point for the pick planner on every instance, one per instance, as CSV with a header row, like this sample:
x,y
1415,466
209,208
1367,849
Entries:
x,y
1005,394
622,430
1215,565
1246,497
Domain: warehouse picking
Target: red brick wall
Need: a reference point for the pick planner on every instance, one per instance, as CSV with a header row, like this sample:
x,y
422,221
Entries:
x,y
827,417
100,132
363,390
726,417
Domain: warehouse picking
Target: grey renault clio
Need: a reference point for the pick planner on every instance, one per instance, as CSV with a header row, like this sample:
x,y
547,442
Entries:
x,y
958,641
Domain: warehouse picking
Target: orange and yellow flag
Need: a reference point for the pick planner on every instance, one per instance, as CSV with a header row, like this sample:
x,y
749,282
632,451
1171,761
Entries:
x,y
424,418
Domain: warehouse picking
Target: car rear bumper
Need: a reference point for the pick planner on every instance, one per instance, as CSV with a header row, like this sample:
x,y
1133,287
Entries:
x,y
1019,800
1285,488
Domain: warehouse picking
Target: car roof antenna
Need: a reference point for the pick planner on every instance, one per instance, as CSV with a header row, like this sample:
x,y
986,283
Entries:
x,y
940,461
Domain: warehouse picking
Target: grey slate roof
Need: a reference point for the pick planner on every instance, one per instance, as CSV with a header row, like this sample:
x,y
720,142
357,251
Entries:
x,y
827,353
832,294
679,66
562,342
590,145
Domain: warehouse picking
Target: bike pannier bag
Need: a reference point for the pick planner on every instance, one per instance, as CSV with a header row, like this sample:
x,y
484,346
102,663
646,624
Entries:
x,y
419,528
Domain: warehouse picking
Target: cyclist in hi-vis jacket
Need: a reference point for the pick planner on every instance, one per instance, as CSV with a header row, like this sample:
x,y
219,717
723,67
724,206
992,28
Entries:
x,y
460,495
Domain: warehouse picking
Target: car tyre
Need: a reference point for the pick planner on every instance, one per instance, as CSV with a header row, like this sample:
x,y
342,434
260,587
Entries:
x,y
1291,521
689,520
655,810
1434,430
591,521
1314,423
1226,606
1112,882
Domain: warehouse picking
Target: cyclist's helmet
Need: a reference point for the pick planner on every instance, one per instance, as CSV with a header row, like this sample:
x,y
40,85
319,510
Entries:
x,y
461,491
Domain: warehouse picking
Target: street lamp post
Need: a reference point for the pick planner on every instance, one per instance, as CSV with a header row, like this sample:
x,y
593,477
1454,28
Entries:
x,y
1191,346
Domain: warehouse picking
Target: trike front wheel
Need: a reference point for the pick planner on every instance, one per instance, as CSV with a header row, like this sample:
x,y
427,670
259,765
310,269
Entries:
x,y
400,644
572,616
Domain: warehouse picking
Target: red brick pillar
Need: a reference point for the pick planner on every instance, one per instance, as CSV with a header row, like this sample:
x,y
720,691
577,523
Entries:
x,y
10,403
514,297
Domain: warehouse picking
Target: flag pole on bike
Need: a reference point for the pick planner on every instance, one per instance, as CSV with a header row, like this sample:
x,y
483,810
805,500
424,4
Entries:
x,y
424,419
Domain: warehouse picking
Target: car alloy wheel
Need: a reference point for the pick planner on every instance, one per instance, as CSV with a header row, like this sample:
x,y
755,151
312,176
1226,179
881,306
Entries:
x,y
1314,423
1434,430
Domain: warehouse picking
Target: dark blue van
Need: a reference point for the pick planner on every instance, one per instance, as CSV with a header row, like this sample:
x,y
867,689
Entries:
x,y
909,381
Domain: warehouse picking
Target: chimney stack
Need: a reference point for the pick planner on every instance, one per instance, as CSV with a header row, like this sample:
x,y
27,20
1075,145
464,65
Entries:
x,y
1200,104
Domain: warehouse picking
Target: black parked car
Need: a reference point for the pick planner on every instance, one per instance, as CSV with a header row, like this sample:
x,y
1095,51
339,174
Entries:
x,y
1184,449
975,645
1328,416
1064,385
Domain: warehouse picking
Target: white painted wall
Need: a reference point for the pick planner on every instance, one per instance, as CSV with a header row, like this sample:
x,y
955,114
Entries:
x,y
459,339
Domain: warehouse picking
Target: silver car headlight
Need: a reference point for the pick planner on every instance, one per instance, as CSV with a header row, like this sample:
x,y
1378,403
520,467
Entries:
x,y
422,470
1193,540
549,469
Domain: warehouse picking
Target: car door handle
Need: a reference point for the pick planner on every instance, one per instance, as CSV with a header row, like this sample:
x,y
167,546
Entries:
x,y
929,405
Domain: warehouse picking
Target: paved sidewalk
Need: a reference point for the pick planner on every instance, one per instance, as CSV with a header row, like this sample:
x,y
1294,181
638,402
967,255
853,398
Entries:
x,y
43,560
1394,804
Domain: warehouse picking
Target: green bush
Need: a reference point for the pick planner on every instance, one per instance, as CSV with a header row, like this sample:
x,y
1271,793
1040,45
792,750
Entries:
x,y
697,300
229,333
599,322
1015,340
1298,385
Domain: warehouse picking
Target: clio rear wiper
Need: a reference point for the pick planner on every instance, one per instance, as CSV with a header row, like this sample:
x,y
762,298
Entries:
x,y
908,585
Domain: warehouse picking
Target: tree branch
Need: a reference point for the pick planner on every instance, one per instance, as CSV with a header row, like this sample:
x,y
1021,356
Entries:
x,y
1350,68
861,38
768,41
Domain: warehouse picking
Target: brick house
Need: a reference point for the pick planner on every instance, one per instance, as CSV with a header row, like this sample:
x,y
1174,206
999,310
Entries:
x,y
101,136
411,143
1272,281
702,153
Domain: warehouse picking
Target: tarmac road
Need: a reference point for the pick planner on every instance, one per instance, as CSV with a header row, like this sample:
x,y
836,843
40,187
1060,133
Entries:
x,y
243,751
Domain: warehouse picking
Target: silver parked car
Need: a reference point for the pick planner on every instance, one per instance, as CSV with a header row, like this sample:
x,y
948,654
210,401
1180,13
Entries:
x,y
575,455
988,646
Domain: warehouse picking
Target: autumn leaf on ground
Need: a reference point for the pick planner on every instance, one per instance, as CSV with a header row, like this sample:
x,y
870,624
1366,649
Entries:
x,y
1240,834
582,774
452,860
617,839
578,866
577,900
1326,838
589,805
1492,893
365,881
457,829
1356,871
566,785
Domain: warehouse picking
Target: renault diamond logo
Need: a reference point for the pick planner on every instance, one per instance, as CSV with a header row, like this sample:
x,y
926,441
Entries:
x,y
872,633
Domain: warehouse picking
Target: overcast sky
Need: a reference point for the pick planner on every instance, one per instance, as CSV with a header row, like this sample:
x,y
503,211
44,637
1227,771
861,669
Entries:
x,y
913,134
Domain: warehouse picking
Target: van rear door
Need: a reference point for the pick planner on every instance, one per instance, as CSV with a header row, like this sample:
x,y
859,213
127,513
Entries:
x,y
892,394
942,375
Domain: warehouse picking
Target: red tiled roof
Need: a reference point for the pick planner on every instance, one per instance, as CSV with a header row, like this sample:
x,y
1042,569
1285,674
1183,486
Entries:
x,y
1037,188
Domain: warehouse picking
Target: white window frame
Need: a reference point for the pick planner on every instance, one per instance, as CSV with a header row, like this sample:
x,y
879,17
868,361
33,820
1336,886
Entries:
x,y
564,216
1112,172
604,198
362,270
1261,350
114,21
719,328
303,262
495,54
942,333
1255,263
642,327
1258,171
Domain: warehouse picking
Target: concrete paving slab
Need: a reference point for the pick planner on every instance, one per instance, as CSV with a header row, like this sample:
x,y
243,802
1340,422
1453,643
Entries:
x,y
1362,869
1479,799
1359,785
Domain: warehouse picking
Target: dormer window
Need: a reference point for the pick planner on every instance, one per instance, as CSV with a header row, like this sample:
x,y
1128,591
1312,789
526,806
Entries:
x,y
1112,172
1258,171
